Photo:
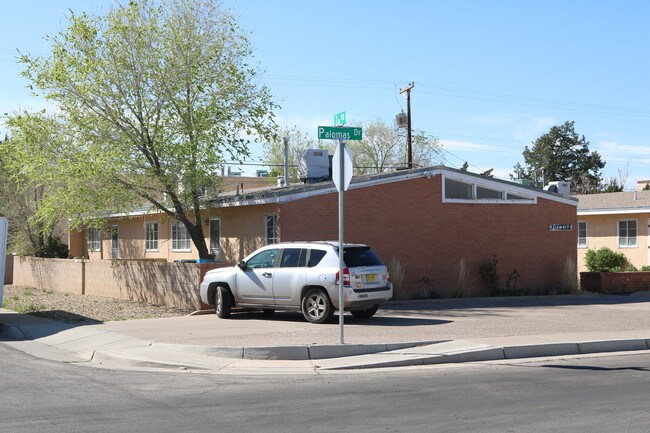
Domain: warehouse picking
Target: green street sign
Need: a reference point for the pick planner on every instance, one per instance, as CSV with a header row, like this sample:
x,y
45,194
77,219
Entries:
x,y
335,133
339,119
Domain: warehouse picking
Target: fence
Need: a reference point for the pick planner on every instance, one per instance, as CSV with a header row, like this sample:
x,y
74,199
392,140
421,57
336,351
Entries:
x,y
173,284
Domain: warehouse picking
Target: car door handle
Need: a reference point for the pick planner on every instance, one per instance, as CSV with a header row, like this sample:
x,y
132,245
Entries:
x,y
267,274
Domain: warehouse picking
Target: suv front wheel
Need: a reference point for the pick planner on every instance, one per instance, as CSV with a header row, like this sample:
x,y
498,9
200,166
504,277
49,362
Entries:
x,y
316,306
222,303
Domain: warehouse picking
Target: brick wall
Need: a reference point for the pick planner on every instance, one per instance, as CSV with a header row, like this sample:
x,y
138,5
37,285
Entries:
x,y
408,220
615,282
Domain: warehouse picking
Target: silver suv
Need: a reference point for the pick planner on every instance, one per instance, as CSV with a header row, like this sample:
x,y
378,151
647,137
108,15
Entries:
x,y
301,276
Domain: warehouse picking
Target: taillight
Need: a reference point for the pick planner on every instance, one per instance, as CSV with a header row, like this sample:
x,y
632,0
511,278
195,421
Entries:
x,y
346,277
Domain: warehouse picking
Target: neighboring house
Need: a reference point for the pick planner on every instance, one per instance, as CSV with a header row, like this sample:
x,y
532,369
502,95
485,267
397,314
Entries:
x,y
617,220
428,219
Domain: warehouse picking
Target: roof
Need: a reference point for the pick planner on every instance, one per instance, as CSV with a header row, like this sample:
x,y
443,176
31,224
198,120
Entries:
x,y
284,194
293,192
611,203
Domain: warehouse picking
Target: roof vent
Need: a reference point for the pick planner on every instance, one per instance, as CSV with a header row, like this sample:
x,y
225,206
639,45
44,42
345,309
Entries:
x,y
314,165
557,187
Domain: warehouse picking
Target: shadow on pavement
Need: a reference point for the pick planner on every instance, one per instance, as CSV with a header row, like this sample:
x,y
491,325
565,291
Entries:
x,y
593,368
291,316
517,301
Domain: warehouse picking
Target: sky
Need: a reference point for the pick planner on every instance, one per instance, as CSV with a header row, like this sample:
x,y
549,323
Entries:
x,y
489,77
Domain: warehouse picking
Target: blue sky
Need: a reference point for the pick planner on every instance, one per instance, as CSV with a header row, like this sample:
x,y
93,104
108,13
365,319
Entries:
x,y
490,76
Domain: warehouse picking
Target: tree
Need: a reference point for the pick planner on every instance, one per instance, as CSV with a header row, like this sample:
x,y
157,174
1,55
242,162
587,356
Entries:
x,y
22,198
384,148
154,96
299,141
562,155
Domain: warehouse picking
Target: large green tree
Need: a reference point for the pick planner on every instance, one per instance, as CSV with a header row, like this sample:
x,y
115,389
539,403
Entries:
x,y
563,155
23,198
154,96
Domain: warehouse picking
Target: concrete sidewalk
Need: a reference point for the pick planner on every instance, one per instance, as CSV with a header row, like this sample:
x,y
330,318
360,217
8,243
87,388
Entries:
x,y
401,334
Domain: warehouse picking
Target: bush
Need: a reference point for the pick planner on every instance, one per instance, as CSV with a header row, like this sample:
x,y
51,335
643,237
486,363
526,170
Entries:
x,y
604,260
645,268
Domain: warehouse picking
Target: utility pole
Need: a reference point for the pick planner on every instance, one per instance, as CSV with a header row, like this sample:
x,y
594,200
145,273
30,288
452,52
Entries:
x,y
409,143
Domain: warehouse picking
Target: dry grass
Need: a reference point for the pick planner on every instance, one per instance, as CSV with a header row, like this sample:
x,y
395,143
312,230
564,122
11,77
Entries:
x,y
570,276
463,280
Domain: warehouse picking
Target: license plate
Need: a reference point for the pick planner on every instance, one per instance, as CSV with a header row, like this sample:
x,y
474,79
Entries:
x,y
371,278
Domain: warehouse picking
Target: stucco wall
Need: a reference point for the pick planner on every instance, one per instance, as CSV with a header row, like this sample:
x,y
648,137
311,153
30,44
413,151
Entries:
x,y
602,231
408,220
242,231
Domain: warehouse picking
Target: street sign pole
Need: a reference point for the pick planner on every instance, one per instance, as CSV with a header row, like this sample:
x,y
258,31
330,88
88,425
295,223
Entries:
x,y
341,180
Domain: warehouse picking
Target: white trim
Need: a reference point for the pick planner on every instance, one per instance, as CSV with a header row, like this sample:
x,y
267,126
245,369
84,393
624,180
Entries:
x,y
613,212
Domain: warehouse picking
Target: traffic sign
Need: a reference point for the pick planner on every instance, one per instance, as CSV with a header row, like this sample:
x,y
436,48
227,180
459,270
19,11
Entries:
x,y
336,133
347,168
339,119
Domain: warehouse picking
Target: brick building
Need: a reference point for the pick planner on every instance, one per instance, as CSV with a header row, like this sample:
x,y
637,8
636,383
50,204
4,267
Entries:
x,y
428,219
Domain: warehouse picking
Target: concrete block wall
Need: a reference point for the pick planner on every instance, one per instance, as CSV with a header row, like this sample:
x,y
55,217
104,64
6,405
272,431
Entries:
x,y
61,275
173,284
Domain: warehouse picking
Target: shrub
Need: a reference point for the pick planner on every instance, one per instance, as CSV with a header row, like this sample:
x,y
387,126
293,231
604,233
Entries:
x,y
397,277
489,275
645,268
604,260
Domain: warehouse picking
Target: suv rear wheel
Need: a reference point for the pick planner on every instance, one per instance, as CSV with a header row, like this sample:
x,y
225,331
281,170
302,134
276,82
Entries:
x,y
316,306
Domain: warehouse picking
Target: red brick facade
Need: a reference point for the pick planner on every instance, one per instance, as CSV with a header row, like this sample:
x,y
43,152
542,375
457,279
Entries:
x,y
408,220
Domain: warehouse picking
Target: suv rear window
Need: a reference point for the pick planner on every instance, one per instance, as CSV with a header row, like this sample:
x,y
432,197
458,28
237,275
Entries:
x,y
315,257
360,256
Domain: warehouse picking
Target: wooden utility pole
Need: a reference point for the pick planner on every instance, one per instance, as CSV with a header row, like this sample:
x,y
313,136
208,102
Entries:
x,y
409,143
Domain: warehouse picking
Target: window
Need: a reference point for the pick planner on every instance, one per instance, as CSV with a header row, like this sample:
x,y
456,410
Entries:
x,y
271,229
627,233
315,257
475,192
264,259
582,234
293,258
94,239
486,193
151,236
458,190
518,197
180,237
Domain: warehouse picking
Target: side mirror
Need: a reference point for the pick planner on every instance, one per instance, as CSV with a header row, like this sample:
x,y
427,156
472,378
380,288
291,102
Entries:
x,y
242,265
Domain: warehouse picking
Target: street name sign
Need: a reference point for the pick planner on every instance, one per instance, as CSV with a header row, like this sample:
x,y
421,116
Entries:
x,y
339,119
337,133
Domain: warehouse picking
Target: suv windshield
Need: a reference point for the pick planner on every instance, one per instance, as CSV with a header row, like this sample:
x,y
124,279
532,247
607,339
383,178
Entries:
x,y
360,256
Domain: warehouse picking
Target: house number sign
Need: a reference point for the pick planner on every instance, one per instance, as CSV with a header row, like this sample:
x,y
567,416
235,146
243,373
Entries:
x,y
560,227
